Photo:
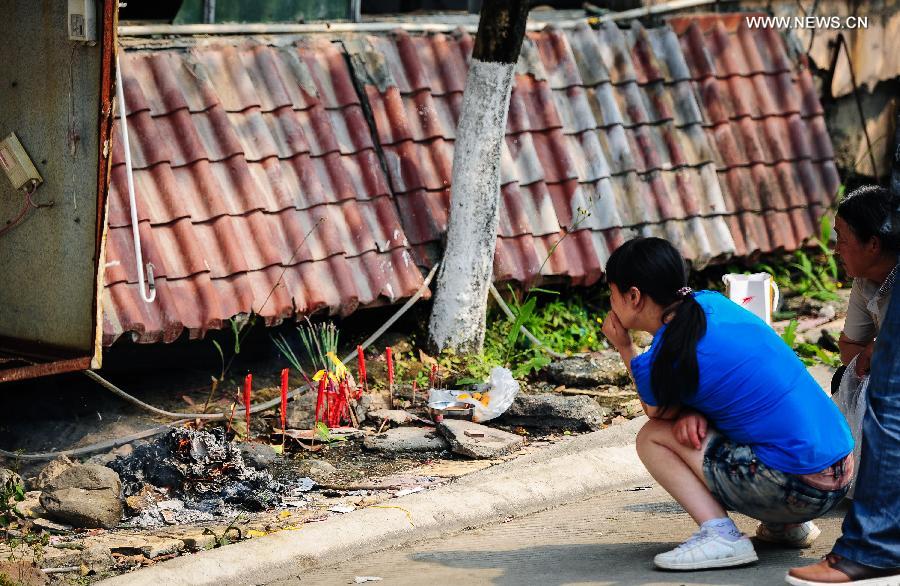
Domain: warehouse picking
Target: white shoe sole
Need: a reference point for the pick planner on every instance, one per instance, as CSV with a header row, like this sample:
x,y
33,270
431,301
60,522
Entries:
x,y
747,558
886,581
807,541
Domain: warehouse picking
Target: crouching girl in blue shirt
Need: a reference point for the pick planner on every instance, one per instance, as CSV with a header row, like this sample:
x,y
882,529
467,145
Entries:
x,y
736,421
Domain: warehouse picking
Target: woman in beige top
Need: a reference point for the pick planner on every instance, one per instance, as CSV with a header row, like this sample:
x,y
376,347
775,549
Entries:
x,y
871,259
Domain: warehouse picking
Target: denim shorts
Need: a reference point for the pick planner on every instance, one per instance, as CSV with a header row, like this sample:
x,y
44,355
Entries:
x,y
740,482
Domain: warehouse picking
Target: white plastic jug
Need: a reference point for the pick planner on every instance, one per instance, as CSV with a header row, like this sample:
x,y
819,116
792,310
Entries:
x,y
757,293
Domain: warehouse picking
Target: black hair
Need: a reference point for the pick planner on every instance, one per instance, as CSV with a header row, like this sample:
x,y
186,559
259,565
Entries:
x,y
872,212
657,269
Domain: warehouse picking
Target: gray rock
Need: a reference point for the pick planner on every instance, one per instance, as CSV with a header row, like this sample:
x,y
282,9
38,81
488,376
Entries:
x,y
363,405
259,456
51,471
9,479
406,439
88,477
321,468
84,495
604,368
302,411
97,558
573,412
83,508
478,441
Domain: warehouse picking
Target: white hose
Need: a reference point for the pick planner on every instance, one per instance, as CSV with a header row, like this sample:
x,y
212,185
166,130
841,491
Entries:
x,y
135,234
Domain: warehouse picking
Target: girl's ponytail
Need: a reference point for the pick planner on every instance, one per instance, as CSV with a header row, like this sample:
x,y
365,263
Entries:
x,y
657,269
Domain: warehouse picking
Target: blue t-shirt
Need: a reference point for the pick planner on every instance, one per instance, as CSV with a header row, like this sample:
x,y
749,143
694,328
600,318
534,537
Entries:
x,y
755,391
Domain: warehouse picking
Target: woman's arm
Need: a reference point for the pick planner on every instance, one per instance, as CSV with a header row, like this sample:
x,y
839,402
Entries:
x,y
618,336
850,348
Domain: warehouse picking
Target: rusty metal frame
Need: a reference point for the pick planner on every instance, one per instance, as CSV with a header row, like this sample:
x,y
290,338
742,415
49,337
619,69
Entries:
x,y
47,360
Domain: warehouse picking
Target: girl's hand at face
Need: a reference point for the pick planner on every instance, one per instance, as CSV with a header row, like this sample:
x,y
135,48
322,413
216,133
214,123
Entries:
x,y
615,332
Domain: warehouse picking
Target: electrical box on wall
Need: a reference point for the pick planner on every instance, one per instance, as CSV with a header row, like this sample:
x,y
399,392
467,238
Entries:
x,y
17,165
82,21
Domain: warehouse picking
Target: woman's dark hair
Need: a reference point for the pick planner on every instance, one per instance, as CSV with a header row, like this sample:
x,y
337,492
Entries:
x,y
871,211
656,269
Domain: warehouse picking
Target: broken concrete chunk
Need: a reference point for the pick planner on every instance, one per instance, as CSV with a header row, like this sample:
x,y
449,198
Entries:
x,y
572,412
51,471
602,368
406,439
83,508
321,468
88,477
84,495
150,546
478,441
96,559
9,479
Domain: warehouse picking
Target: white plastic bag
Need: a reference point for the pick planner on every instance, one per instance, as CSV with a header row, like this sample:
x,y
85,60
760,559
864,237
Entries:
x,y
489,404
851,399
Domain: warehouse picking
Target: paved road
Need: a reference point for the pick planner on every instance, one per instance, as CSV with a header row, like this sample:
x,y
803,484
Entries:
x,y
609,539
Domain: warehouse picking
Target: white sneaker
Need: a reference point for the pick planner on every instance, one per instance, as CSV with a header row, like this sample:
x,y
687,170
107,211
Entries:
x,y
707,549
800,536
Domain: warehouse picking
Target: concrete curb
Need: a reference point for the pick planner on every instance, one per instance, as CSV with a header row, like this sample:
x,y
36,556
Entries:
x,y
562,473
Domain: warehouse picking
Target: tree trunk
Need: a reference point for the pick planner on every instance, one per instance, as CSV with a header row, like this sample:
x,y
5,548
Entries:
x,y
458,312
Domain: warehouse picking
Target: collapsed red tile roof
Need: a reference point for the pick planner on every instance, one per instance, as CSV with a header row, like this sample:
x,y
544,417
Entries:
x,y
703,132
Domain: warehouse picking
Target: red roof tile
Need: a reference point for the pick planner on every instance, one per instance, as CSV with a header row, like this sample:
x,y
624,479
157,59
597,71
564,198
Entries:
x,y
701,131
237,153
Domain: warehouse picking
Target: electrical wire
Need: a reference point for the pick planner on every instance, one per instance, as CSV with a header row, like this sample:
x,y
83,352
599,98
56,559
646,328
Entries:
x,y
18,219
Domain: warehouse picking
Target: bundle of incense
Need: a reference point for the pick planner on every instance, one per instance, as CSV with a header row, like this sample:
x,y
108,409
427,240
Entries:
x,y
361,361
248,385
390,373
284,393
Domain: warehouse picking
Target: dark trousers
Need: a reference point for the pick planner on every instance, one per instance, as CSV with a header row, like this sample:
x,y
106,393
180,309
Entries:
x,y
871,531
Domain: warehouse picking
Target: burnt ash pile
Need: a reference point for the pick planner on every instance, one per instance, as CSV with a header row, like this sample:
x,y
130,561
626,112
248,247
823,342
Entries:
x,y
202,469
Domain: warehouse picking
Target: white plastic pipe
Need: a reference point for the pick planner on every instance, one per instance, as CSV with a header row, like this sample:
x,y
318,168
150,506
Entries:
x,y
135,234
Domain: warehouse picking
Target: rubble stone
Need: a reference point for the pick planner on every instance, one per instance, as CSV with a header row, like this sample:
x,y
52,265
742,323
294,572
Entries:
x,y
395,416
572,412
120,452
83,508
96,559
406,439
320,468
51,471
150,546
603,368
8,478
478,441
84,495
31,508
259,456
302,411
